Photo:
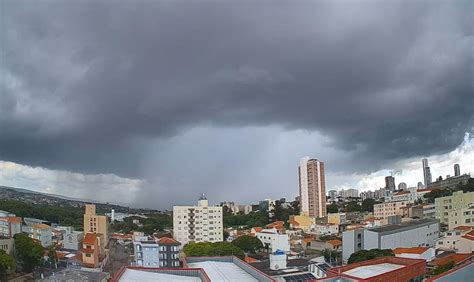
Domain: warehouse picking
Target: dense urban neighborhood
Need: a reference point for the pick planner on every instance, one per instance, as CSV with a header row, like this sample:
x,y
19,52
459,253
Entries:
x,y
411,233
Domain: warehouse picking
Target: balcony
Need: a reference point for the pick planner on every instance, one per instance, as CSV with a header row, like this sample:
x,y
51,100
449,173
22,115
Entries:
x,y
191,237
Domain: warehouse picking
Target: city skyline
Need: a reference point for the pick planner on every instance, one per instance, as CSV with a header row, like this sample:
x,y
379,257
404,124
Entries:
x,y
154,104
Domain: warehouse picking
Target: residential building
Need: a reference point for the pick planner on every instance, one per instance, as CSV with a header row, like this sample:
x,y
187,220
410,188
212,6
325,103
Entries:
x,y
146,252
7,244
466,243
457,201
426,172
422,211
73,239
267,205
450,182
410,195
73,274
42,233
94,223
274,241
390,183
337,218
91,250
384,210
169,252
201,223
463,216
416,233
245,209
379,269
416,253
6,214
367,195
325,229
302,222
449,241
9,226
334,245
332,195
312,187
349,193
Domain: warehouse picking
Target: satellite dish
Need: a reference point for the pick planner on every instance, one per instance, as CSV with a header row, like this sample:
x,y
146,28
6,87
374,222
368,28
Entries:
x,y
276,266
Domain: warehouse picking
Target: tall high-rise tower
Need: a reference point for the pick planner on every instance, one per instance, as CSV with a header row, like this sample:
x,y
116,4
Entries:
x,y
312,187
426,172
390,183
457,170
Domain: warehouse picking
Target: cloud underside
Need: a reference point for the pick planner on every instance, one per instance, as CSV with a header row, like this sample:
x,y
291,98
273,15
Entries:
x,y
101,87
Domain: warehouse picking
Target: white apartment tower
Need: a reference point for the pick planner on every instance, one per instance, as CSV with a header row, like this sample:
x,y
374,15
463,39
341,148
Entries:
x,y
201,223
312,187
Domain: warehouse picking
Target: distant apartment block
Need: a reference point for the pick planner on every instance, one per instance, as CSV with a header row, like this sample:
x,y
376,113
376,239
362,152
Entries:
x,y
98,224
325,229
419,233
463,216
312,187
9,226
384,210
201,223
457,201
42,233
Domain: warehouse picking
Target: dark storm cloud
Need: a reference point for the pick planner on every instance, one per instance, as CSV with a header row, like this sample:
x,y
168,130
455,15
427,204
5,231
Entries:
x,y
84,84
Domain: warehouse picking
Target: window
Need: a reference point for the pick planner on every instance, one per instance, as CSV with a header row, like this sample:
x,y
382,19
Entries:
x,y
88,255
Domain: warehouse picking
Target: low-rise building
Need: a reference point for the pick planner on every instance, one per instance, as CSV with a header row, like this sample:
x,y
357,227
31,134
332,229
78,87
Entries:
x,y
416,233
416,253
42,233
334,245
146,252
421,211
457,201
449,241
9,226
325,229
337,218
384,210
302,222
274,241
169,252
72,240
7,244
91,250
466,243
450,182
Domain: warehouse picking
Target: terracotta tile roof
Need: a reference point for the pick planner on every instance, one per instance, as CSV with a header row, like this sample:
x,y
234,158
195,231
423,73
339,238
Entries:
x,y
456,258
250,260
90,238
424,190
41,226
469,236
14,219
463,228
258,229
307,240
335,242
415,250
168,241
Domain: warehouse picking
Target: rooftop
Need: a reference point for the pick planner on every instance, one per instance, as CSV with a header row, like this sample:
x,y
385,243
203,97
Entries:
x,y
469,235
75,275
223,271
404,226
456,258
463,228
367,271
415,250
461,273
143,275
90,238
168,241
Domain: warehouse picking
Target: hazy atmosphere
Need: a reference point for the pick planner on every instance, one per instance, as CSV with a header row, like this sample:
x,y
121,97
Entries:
x,y
151,104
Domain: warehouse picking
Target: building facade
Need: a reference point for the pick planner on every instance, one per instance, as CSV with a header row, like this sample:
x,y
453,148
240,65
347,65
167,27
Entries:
x,y
72,240
337,218
201,223
169,252
461,217
457,170
146,252
274,241
450,182
426,172
390,183
457,201
42,233
312,187
9,226
420,233
384,210
7,244
91,250
94,223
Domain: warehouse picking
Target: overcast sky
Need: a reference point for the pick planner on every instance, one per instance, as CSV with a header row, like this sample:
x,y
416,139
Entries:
x,y
151,103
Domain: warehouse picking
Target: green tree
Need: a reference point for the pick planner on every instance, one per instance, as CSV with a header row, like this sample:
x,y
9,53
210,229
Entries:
x,y
332,208
353,207
328,237
7,263
331,255
52,256
248,243
368,205
364,255
29,252
437,193
213,249
443,268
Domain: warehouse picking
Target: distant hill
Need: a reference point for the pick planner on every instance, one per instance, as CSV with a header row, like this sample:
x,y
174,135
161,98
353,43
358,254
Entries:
x,y
33,197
